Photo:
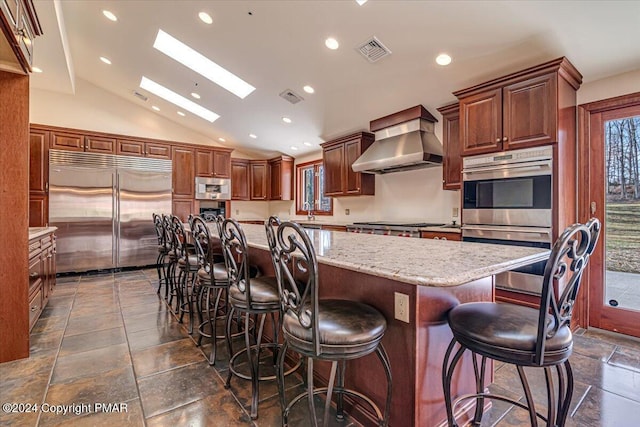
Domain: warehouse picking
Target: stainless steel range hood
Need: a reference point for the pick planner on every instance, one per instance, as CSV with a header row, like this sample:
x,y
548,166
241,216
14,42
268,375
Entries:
x,y
406,146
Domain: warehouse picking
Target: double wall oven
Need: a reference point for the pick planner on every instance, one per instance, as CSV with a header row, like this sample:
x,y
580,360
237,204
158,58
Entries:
x,y
507,199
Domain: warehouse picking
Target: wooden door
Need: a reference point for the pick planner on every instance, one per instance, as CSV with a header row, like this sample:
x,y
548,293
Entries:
x,y
259,180
481,122
94,144
221,164
352,179
239,180
130,148
38,210
157,150
613,273
38,161
333,159
204,163
183,172
530,113
275,192
66,141
452,162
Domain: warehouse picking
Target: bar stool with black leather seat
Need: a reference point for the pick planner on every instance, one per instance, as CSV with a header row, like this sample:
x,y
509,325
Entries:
x,y
524,336
249,296
163,251
332,330
187,263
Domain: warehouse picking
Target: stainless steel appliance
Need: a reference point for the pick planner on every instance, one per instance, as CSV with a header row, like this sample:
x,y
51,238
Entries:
x,y
390,228
102,206
213,188
210,210
507,199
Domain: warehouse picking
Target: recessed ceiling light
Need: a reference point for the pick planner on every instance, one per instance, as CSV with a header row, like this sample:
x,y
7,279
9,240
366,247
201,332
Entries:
x,y
205,17
195,95
443,59
286,119
155,108
199,63
331,43
36,69
180,113
293,147
308,144
180,101
252,136
308,89
109,15
222,140
105,60
361,2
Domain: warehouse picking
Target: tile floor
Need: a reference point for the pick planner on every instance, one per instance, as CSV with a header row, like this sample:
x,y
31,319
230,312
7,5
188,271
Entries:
x,y
109,338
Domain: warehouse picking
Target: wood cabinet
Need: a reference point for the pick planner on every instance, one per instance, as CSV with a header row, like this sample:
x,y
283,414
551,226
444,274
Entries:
x,y
19,26
183,165
182,208
240,179
521,110
204,163
63,140
337,157
281,177
452,161
222,163
439,235
259,179
157,150
98,144
138,148
42,274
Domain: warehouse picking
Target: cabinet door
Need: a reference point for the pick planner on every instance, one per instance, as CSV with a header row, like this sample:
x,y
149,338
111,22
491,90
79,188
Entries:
x,y
333,160
38,161
275,192
182,208
130,148
157,150
38,210
530,108
452,162
100,145
481,122
66,141
204,163
259,180
183,171
352,179
221,164
239,180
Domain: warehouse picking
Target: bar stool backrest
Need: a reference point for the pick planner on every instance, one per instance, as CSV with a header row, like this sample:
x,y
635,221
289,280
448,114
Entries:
x,y
202,242
157,223
236,257
167,228
569,256
179,237
297,273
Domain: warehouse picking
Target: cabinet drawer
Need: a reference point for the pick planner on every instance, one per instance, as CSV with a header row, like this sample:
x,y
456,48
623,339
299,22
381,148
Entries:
x,y
440,235
34,248
35,308
35,273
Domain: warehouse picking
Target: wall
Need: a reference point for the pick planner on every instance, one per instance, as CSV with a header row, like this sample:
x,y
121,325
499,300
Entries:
x,y
609,87
111,114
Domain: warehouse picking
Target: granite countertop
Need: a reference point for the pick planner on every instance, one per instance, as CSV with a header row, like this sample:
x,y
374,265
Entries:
x,y
35,232
424,262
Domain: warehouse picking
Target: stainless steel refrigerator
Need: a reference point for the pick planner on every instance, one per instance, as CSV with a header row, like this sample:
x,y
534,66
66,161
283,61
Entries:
x,y
102,205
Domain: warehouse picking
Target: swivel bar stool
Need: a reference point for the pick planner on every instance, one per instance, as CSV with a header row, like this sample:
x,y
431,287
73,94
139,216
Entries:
x,y
163,251
170,291
322,329
525,336
188,266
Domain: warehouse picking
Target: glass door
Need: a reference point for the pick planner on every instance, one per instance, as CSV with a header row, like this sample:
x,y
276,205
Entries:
x,y
613,181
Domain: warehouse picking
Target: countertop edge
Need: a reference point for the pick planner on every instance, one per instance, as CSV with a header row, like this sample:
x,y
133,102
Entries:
x,y
35,232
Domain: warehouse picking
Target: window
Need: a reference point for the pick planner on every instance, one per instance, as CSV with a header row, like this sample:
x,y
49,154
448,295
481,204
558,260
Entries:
x,y
310,189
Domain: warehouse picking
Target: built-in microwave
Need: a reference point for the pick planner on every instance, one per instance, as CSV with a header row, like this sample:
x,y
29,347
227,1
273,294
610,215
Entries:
x,y
213,188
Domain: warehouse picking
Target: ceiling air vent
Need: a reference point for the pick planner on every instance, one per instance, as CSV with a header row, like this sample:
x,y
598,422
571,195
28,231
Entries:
x,y
373,50
291,96
139,95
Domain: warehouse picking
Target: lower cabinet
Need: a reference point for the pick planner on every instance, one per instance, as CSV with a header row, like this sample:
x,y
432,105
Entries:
x,y
438,235
42,274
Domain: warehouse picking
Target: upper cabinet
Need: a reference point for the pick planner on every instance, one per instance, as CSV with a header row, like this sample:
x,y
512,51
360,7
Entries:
x,y
520,110
204,163
213,163
281,177
71,141
262,179
183,166
337,157
239,179
259,179
19,26
452,162
133,147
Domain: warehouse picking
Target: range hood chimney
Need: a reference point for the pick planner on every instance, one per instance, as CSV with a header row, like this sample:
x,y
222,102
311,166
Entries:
x,y
404,141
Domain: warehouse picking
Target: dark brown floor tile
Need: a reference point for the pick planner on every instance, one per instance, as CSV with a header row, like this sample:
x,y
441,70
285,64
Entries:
x,y
129,414
65,290
165,356
19,419
92,310
37,363
153,320
610,378
150,337
594,348
138,300
90,363
30,388
169,390
137,310
219,409
45,341
117,385
498,408
48,324
96,322
613,338
54,310
601,408
627,358
92,340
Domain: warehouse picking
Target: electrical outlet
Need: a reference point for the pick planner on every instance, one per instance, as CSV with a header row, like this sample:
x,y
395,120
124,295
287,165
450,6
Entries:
x,y
237,211
347,211
454,212
401,307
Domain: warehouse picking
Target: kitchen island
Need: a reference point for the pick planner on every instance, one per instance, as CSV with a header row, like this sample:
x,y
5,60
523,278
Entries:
x,y
436,275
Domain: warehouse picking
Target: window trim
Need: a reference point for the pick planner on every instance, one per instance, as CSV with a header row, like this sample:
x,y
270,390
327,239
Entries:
x,y
299,198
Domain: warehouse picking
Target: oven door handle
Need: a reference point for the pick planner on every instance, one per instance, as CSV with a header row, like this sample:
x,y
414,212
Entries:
x,y
505,171
507,233
508,229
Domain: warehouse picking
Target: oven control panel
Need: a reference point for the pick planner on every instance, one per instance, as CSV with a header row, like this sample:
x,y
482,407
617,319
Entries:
x,y
506,157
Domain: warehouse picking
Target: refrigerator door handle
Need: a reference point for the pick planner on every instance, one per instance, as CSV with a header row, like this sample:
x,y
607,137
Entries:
x,y
116,216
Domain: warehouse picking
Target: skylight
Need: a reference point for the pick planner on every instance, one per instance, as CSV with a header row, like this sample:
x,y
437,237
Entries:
x,y
199,63
180,101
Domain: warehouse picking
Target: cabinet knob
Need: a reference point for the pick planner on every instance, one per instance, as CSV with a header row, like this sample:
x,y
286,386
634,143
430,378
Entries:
x,y
498,140
444,238
504,139
436,238
33,274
